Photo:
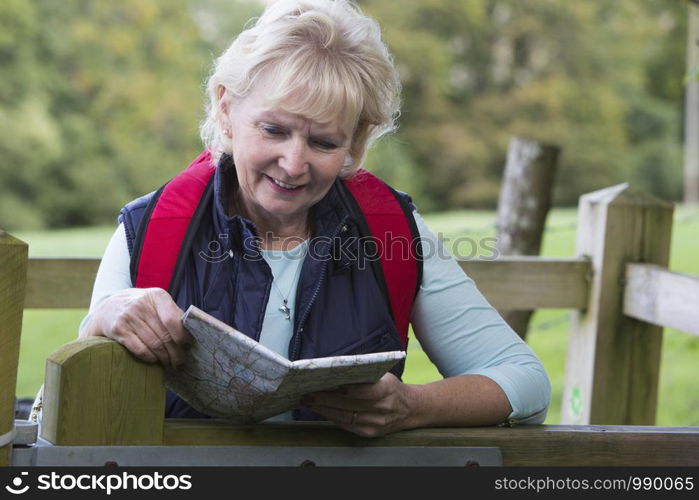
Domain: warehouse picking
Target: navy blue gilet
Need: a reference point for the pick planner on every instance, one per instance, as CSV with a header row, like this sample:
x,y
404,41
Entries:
x,y
341,301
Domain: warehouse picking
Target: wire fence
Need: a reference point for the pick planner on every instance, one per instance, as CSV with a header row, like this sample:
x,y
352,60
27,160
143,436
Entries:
x,y
549,324
492,226
688,218
679,219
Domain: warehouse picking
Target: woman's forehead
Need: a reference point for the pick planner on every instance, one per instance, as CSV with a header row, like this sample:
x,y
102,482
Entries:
x,y
279,115
323,107
290,112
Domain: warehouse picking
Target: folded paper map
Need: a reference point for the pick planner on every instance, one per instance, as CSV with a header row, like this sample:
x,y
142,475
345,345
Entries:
x,y
229,375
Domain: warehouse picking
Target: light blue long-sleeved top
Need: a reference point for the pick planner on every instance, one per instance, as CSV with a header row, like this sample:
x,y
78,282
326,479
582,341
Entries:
x,y
457,328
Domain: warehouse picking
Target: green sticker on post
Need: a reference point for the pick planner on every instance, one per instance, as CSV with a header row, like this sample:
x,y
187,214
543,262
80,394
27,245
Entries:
x,y
576,401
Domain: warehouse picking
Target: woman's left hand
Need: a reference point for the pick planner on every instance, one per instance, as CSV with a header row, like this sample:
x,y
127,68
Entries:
x,y
369,410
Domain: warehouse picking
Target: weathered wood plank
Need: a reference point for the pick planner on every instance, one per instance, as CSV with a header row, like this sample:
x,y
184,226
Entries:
x,y
531,282
613,360
13,271
60,283
512,282
97,393
539,445
662,297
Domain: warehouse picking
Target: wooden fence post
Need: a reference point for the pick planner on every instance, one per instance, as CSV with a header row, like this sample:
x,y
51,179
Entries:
x,y
525,200
97,393
613,360
13,275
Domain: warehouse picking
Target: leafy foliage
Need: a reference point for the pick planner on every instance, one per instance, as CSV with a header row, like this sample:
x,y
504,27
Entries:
x,y
100,101
601,79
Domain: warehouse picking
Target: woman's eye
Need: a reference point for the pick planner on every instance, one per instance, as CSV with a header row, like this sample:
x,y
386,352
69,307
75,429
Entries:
x,y
323,144
273,130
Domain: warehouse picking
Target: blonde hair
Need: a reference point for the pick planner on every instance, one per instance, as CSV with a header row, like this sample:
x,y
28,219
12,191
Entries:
x,y
324,59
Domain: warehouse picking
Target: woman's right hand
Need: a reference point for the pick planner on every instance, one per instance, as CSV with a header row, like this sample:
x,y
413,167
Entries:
x,y
144,320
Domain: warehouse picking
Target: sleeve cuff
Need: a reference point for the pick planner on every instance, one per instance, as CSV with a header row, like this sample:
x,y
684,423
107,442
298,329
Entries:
x,y
527,389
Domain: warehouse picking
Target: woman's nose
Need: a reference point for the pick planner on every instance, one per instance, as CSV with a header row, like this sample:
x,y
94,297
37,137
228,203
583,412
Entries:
x,y
294,158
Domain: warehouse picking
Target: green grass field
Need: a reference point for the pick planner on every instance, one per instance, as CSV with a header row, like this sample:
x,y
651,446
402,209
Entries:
x,y
678,405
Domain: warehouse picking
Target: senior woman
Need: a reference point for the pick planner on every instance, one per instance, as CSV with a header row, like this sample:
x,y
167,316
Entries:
x,y
294,104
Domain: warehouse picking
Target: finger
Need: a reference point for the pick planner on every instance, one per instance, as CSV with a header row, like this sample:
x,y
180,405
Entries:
x,y
175,353
363,424
139,349
339,402
356,392
340,417
168,327
134,344
170,316
122,330
376,390
134,323
151,339
175,350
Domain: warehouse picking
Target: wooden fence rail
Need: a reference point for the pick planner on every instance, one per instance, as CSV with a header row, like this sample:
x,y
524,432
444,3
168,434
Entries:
x,y
617,287
60,283
101,395
661,297
518,282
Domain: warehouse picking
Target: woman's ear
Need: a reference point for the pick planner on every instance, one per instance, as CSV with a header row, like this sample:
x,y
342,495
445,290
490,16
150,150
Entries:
x,y
224,103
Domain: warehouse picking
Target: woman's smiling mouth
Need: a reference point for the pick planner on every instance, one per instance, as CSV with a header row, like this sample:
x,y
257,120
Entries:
x,y
283,187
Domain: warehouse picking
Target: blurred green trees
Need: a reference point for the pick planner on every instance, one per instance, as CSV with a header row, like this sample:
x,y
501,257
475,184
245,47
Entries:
x,y
100,101
602,79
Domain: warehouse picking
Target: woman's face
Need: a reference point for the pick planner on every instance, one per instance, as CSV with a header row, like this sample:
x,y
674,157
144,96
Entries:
x,y
285,163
